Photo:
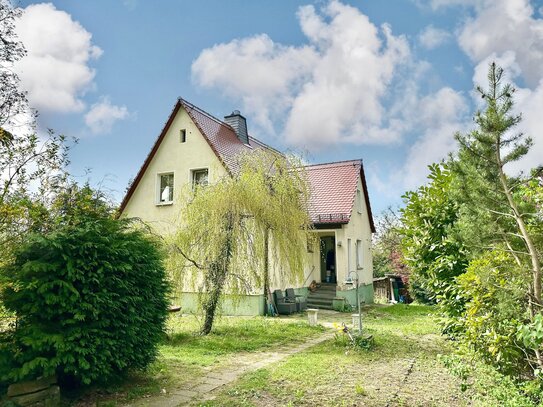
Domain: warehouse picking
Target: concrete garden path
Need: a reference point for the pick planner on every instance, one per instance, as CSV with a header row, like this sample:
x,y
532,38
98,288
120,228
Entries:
x,y
206,387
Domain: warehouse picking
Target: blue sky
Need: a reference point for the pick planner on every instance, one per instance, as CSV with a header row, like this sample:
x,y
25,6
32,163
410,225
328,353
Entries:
x,y
386,81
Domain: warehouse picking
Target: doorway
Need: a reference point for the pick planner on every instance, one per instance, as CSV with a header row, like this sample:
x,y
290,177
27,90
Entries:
x,y
328,259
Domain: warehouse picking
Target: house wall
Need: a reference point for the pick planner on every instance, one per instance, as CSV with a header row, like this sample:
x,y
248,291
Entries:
x,y
358,228
179,158
311,271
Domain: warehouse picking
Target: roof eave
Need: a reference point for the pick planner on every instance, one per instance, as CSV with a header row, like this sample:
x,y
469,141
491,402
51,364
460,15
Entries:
x,y
149,158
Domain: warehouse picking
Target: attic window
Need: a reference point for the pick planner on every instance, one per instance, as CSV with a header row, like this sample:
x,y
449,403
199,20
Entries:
x,y
200,177
165,191
359,201
183,135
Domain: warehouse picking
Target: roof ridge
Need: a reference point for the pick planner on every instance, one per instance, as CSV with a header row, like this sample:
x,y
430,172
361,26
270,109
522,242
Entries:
x,y
265,145
334,163
199,109
221,122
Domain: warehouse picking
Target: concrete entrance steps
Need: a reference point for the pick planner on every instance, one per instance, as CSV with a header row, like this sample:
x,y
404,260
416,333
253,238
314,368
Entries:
x,y
323,298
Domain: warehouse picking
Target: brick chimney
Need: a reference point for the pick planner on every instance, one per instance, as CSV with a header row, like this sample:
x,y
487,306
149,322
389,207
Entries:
x,y
239,124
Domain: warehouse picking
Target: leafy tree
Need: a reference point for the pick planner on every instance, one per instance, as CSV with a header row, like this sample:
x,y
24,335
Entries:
x,y
90,296
34,171
428,243
32,168
13,101
231,229
387,256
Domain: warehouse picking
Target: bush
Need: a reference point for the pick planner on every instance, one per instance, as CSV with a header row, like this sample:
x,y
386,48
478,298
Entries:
x,y
495,307
90,299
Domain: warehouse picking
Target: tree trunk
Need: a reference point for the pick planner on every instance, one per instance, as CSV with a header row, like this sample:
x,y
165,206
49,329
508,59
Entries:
x,y
534,256
217,278
266,271
218,271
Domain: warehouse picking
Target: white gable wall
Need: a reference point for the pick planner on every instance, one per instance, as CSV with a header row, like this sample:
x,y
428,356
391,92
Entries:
x,y
358,228
179,158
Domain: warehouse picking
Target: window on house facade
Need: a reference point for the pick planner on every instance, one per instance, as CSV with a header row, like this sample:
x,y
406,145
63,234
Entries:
x,y
200,177
165,191
359,201
349,261
310,243
359,254
182,135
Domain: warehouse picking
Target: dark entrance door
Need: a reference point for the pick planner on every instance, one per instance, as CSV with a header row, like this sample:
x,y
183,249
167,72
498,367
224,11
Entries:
x,y
328,259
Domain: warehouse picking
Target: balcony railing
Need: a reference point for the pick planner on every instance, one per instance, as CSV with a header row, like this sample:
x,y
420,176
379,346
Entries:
x,y
332,218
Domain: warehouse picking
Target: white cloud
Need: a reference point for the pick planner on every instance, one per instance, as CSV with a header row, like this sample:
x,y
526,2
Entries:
x,y
102,115
432,37
55,71
440,4
256,70
441,115
509,33
506,25
328,91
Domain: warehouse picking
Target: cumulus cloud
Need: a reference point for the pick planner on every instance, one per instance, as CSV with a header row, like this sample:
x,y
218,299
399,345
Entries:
x,y
438,4
330,90
102,116
432,37
509,33
55,71
505,25
260,72
441,115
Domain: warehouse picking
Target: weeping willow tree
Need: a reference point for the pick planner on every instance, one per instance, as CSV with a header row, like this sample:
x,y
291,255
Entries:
x,y
233,230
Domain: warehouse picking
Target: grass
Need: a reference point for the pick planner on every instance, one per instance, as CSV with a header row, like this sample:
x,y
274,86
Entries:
x,y
184,355
331,374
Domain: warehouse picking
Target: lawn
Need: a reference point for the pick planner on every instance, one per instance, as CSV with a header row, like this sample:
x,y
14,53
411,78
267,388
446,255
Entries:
x,y
401,370
185,355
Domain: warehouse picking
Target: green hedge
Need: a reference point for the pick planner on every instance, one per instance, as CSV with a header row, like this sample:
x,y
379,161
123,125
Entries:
x,y
91,303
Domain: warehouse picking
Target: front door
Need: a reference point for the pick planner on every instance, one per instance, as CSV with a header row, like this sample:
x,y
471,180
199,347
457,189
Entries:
x,y
328,259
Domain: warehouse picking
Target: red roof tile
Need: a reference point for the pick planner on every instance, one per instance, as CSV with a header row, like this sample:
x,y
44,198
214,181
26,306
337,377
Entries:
x,y
333,185
221,138
333,191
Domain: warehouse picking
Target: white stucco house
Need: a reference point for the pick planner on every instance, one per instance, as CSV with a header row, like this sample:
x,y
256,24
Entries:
x,y
195,147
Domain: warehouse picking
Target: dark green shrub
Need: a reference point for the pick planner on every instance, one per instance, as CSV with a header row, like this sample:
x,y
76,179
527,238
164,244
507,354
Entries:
x,y
90,298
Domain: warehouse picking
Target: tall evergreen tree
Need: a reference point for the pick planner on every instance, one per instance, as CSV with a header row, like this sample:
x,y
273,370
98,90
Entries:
x,y
492,211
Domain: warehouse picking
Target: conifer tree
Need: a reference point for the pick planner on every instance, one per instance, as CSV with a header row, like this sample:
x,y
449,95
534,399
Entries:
x,y
493,212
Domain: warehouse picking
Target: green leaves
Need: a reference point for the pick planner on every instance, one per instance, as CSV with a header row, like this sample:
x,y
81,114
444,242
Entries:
x,y
428,245
221,240
90,298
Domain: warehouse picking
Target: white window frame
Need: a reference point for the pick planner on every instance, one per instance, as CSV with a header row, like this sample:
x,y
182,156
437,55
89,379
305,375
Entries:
x,y
349,255
183,135
159,176
359,254
195,170
359,200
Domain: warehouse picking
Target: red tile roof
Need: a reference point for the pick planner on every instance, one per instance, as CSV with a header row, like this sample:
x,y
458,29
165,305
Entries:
x,y
221,137
333,191
333,185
